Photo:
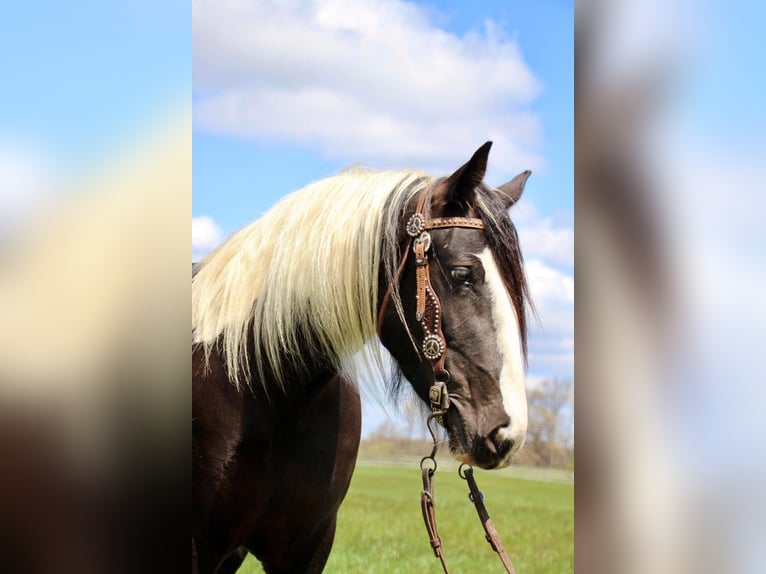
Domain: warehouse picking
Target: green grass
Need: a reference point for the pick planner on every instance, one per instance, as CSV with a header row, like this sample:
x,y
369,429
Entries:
x,y
380,526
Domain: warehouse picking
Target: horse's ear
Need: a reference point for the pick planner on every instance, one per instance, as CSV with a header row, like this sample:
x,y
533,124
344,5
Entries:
x,y
511,192
460,187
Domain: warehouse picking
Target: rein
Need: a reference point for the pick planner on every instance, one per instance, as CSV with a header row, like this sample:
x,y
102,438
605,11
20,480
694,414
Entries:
x,y
428,313
438,399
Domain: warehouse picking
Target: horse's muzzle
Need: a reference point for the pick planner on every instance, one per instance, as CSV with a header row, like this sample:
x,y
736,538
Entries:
x,y
494,450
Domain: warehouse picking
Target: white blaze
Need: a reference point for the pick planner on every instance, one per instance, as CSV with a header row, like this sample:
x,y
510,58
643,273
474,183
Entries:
x,y
512,380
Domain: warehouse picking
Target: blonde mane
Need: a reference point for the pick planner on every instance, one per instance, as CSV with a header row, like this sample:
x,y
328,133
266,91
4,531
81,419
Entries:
x,y
304,274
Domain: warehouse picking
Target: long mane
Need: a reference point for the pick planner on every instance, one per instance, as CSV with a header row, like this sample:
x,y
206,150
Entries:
x,y
300,284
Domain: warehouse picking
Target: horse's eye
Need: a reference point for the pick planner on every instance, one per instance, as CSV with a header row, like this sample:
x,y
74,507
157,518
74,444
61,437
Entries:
x,y
461,274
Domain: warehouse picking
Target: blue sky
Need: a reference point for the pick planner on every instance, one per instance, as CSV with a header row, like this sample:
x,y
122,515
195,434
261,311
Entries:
x,y
238,177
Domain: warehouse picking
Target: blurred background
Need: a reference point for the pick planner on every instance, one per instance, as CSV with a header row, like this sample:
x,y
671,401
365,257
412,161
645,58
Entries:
x,y
95,200
669,159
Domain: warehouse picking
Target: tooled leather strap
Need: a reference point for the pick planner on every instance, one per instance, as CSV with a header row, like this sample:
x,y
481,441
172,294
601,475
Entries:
x,y
438,223
428,306
387,295
441,222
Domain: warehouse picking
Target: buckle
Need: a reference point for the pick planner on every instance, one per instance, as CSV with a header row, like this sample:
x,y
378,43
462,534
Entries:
x,y
425,239
438,396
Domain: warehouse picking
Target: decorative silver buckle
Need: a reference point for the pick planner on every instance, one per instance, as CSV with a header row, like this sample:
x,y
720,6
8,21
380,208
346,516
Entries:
x,y
433,347
415,225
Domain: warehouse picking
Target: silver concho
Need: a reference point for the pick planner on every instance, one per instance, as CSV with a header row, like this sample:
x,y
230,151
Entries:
x,y
415,225
433,347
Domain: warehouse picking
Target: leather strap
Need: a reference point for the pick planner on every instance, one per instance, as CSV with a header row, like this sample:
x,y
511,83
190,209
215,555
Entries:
x,y
428,313
428,306
441,222
491,534
429,515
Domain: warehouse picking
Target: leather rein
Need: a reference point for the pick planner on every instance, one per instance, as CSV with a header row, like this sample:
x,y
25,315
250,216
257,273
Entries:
x,y
433,348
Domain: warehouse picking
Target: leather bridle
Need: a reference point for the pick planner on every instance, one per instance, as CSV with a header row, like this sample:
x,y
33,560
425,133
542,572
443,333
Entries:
x,y
428,309
433,348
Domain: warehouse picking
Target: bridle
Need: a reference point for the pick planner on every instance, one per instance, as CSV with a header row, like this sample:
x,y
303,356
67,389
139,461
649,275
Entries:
x,y
433,348
428,308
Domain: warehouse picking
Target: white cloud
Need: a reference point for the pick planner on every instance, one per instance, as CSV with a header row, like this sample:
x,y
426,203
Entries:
x,y
206,235
548,284
372,80
547,241
551,343
543,237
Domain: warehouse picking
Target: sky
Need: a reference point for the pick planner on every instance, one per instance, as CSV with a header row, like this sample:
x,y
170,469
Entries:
x,y
286,94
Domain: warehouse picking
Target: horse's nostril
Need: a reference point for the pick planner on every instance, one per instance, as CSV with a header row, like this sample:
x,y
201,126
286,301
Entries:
x,y
502,442
493,448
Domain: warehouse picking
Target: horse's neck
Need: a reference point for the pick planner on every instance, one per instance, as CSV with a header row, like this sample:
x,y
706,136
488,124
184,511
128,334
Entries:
x,y
225,417
299,389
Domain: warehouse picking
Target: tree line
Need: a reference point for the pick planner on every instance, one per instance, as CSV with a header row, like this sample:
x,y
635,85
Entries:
x,y
550,433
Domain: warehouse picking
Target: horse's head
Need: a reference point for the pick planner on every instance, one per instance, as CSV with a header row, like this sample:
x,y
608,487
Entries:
x,y
469,259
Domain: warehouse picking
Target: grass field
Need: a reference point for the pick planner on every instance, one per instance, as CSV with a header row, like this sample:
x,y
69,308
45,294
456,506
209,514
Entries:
x,y
380,527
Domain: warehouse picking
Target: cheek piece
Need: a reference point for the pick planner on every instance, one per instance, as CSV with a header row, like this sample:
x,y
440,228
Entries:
x,y
428,310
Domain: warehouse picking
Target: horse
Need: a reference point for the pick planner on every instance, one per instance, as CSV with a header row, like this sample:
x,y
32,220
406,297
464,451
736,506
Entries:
x,y
431,266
